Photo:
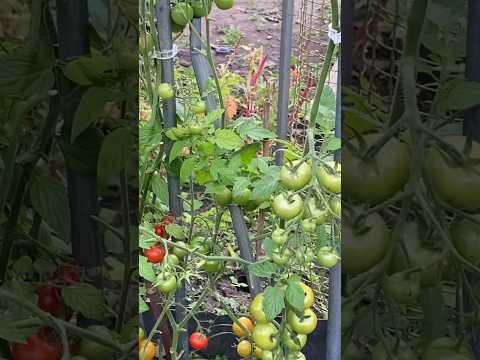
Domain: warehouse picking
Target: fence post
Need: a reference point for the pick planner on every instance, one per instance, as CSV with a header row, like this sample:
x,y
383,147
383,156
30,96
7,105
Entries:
x,y
164,30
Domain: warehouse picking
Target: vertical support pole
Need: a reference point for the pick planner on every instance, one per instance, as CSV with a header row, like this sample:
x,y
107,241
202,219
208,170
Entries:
x,y
203,73
334,327
164,31
73,42
471,127
200,65
284,74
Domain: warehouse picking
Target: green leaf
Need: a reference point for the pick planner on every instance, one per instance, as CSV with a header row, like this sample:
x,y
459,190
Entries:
x,y
90,108
175,230
273,302
142,305
44,267
26,72
176,150
295,295
49,199
145,269
23,265
265,187
240,185
187,169
115,154
264,269
216,166
269,246
211,117
333,144
249,152
260,133
160,189
464,95
11,332
85,299
227,139
322,239
88,70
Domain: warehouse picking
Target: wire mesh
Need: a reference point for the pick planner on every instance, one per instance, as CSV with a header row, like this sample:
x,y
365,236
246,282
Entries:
x,y
380,35
312,41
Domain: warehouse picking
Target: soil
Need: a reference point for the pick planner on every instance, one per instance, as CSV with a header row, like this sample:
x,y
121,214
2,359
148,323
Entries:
x,y
257,26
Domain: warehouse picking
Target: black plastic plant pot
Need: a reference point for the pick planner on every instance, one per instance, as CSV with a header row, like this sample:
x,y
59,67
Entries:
x,y
222,343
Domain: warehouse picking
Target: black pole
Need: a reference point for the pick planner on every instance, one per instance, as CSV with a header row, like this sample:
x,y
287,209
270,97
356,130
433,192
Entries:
x,y
73,42
284,74
164,30
471,128
203,73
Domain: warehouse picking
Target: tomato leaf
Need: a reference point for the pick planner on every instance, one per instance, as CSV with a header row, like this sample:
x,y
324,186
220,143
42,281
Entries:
x,y
273,302
240,185
85,299
333,144
260,133
90,108
216,166
142,305
159,188
10,330
227,139
115,154
175,230
49,199
187,169
249,152
146,270
435,319
264,187
269,246
295,295
263,269
464,95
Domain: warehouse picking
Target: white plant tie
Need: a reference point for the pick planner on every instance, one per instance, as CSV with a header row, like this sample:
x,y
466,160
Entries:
x,y
334,35
166,54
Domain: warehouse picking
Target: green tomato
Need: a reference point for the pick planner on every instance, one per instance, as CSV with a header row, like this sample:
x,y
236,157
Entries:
x,y
302,326
456,184
281,258
166,284
365,246
165,91
180,253
173,259
200,244
403,287
212,266
287,205
256,309
146,42
224,4
412,251
181,14
92,350
252,205
279,236
199,107
267,355
296,179
326,257
292,340
379,178
199,10
309,225
265,336
466,238
243,198
400,351
309,296
223,196
447,349
296,356
332,181
336,205
317,211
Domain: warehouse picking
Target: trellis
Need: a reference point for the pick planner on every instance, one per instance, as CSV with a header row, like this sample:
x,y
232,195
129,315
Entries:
x,y
203,72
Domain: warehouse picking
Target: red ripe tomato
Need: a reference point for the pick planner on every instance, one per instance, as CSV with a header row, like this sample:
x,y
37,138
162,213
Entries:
x,y
159,230
35,349
198,341
49,299
154,254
